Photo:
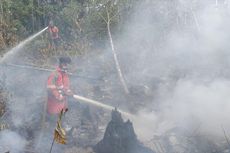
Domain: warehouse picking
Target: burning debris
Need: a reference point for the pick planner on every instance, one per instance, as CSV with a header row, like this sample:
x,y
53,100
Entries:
x,y
120,137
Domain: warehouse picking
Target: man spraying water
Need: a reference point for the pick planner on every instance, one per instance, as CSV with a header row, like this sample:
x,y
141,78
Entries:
x,y
53,36
58,86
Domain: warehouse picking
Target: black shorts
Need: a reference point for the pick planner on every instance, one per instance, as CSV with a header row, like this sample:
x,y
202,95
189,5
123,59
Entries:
x,y
56,42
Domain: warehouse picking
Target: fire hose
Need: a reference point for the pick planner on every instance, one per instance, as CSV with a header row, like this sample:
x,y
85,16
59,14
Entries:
x,y
88,101
99,104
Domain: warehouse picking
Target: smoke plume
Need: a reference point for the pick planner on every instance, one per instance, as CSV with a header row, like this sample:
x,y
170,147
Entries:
x,y
184,45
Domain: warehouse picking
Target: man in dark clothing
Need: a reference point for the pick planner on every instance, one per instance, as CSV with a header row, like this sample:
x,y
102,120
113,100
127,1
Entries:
x,y
53,36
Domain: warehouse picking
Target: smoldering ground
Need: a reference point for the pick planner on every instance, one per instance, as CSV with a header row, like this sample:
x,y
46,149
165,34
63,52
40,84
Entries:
x,y
181,44
27,104
184,45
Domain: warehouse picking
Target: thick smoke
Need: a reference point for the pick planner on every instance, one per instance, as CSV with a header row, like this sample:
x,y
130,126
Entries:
x,y
178,50
185,46
11,141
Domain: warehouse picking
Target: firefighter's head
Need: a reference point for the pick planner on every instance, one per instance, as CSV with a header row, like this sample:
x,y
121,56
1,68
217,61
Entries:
x,y
63,63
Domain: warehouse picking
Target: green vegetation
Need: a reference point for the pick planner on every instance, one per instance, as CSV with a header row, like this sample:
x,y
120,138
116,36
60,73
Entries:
x,y
81,22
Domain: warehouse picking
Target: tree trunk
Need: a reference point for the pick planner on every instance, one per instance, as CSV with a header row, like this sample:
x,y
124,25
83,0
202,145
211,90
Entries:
x,y
1,12
32,15
116,60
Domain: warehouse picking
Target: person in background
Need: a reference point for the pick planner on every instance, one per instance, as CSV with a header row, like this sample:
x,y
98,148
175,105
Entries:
x,y
53,36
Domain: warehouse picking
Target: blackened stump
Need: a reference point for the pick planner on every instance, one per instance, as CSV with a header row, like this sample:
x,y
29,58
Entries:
x,y
120,137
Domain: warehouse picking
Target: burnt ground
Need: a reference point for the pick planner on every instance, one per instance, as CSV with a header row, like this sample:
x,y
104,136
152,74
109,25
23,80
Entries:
x,y
89,128
86,124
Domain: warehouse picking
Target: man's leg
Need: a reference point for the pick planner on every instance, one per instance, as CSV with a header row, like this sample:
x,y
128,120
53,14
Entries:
x,y
51,120
56,44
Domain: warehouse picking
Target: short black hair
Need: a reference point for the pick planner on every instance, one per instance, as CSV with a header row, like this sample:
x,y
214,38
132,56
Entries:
x,y
64,60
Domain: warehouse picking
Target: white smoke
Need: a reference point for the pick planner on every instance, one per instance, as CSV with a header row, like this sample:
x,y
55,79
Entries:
x,y
11,141
184,44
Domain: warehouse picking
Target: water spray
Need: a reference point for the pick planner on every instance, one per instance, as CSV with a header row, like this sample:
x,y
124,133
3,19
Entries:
x,y
14,50
100,104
